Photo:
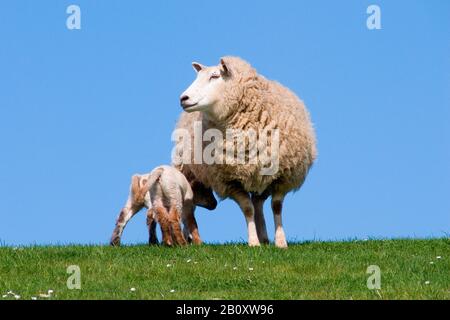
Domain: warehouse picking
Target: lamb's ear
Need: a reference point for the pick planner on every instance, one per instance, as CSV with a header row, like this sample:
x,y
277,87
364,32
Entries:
x,y
224,68
197,66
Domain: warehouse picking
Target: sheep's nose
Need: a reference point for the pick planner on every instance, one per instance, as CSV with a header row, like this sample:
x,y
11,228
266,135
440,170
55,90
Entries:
x,y
184,98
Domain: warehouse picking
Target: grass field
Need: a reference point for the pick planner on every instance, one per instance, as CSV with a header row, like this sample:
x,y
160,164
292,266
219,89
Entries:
x,y
410,269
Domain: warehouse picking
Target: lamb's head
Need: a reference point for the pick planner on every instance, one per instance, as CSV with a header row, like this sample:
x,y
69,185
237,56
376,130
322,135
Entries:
x,y
217,89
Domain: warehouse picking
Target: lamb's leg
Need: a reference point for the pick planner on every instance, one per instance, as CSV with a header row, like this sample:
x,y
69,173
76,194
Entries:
x,y
151,224
193,230
174,217
163,218
258,204
190,224
245,203
125,215
186,233
277,204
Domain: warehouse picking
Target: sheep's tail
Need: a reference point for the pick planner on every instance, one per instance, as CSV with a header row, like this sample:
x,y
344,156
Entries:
x,y
137,191
140,186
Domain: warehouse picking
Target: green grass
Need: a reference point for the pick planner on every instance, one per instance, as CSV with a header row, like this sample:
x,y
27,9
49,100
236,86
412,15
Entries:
x,y
316,270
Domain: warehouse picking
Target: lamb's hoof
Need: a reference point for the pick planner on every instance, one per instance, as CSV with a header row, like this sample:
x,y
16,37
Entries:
x,y
115,243
196,242
181,243
115,240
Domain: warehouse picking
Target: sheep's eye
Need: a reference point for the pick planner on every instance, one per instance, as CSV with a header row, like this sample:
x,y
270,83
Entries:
x,y
214,76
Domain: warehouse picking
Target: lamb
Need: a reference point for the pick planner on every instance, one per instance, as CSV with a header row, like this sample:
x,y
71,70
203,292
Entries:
x,y
169,198
234,96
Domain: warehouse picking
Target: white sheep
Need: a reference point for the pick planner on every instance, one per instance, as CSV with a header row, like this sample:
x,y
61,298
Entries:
x,y
169,199
234,96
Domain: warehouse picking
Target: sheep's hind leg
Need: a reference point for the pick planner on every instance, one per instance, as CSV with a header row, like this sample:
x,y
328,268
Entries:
x,y
245,203
151,224
174,217
162,217
277,204
261,229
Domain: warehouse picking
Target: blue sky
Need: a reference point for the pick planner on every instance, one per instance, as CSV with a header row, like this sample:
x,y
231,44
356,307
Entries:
x,y
83,110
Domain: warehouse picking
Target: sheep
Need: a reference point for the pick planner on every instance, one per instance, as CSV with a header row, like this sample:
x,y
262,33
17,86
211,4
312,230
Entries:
x,y
233,96
168,197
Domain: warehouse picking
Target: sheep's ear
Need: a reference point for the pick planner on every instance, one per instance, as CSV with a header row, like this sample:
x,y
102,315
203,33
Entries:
x,y
197,66
224,68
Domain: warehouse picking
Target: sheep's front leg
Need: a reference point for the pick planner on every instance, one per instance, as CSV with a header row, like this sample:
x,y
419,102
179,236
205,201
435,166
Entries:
x,y
245,203
258,204
125,215
277,205
151,224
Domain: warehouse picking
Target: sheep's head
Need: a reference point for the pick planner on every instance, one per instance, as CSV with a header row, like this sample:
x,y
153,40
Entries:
x,y
213,86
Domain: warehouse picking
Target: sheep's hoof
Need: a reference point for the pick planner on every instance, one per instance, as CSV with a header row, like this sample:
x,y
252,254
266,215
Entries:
x,y
168,244
196,241
115,240
115,243
254,243
281,243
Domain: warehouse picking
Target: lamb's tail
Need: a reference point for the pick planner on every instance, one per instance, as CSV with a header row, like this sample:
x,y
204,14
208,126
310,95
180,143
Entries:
x,y
140,186
137,192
